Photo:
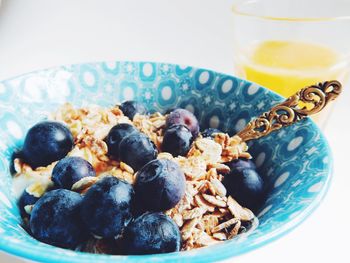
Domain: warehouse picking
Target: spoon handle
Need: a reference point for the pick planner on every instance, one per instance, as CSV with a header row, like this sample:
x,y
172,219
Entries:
x,y
305,102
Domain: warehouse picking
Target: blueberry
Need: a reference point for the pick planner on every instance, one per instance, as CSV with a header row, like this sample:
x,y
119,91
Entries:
x,y
26,203
115,135
102,246
168,111
136,150
107,207
55,219
240,164
152,233
183,117
70,170
131,107
177,140
245,186
209,133
159,185
46,142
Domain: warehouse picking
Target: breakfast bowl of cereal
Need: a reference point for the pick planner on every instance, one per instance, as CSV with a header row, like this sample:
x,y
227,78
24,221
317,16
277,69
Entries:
x,y
129,161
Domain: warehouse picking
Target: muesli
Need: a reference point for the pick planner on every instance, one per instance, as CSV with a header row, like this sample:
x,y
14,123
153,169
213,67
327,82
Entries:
x,y
148,170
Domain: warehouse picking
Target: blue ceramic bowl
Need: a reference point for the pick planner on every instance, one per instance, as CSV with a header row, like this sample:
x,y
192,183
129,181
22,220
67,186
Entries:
x,y
295,162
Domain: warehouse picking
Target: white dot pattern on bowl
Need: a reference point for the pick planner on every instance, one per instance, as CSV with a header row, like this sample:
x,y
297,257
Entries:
x,y
227,86
295,143
281,179
253,89
316,187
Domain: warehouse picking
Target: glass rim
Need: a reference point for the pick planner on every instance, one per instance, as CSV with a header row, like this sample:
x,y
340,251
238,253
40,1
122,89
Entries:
x,y
236,10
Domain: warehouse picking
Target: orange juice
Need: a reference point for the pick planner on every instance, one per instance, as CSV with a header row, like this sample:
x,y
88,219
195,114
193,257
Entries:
x,y
285,66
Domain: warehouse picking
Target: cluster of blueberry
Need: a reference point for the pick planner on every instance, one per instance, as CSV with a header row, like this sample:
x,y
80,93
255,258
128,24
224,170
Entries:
x,y
112,208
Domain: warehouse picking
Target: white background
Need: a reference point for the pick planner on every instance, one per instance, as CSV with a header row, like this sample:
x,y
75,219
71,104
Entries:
x,y
43,33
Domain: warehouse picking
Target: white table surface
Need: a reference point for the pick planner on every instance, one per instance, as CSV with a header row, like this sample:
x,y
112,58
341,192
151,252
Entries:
x,y
43,33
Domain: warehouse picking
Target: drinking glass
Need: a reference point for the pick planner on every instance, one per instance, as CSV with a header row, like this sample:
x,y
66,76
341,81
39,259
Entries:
x,y
285,45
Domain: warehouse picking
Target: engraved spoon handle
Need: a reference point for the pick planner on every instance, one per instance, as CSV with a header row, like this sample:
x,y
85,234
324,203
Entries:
x,y
313,99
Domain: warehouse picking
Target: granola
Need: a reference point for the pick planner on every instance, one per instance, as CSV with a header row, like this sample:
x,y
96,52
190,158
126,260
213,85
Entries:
x,y
205,215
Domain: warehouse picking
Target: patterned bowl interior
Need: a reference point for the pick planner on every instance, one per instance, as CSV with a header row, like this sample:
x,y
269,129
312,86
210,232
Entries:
x,y
295,162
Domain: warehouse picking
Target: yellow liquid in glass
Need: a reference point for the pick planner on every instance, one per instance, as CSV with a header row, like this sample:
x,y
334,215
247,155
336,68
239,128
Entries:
x,y
285,67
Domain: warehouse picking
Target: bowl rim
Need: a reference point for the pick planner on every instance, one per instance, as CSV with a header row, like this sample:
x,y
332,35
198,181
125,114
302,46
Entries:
x,y
205,254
